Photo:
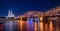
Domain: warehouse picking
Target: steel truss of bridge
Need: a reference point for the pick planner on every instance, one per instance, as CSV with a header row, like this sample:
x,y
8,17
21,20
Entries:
x,y
50,15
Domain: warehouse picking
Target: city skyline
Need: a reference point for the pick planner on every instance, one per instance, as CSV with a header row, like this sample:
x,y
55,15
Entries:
x,y
20,7
55,10
29,15
11,13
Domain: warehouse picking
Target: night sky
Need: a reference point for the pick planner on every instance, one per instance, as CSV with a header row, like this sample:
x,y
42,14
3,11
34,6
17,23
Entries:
x,y
21,6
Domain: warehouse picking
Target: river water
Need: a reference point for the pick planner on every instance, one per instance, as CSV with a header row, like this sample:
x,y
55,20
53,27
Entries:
x,y
29,26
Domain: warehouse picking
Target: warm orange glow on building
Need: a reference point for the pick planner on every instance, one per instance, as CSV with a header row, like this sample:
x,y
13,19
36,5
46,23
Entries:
x,y
41,18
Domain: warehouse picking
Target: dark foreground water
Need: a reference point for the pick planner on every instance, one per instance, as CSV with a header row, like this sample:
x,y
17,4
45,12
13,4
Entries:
x,y
29,26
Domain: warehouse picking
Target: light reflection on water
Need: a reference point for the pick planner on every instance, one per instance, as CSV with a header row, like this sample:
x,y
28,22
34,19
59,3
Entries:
x,y
41,26
51,26
46,27
8,25
35,27
29,26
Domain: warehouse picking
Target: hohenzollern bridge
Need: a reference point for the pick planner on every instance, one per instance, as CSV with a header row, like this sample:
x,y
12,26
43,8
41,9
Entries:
x,y
50,15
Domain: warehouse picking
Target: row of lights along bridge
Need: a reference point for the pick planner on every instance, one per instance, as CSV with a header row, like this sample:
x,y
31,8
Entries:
x,y
52,14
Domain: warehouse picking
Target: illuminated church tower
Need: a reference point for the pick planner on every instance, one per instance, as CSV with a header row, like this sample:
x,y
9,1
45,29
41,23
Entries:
x,y
10,14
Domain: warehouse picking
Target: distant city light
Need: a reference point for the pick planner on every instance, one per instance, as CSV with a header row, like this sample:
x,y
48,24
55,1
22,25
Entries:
x,y
41,18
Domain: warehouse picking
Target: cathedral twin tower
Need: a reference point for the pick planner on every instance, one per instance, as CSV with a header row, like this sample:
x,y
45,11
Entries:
x,y
10,13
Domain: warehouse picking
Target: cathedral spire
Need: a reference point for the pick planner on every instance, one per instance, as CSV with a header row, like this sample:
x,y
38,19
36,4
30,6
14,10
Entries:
x,y
10,14
11,11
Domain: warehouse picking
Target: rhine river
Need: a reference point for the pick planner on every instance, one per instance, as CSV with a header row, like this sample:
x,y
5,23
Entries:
x,y
29,26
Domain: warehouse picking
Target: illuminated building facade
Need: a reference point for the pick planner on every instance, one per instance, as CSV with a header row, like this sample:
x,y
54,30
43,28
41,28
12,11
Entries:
x,y
10,13
52,14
